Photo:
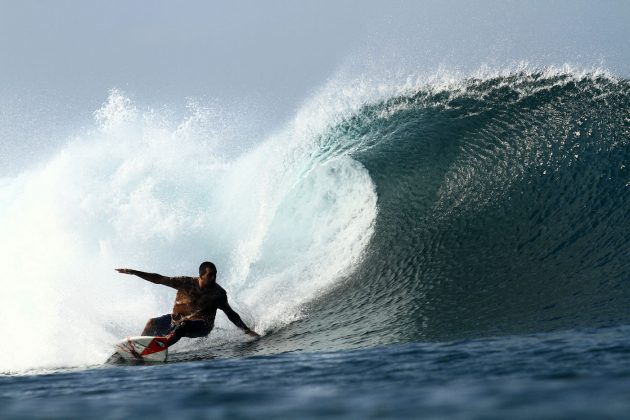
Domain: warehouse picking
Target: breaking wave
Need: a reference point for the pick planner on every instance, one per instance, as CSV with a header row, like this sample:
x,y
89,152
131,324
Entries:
x,y
484,205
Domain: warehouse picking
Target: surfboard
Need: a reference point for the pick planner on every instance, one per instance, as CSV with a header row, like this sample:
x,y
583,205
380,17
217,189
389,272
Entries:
x,y
145,348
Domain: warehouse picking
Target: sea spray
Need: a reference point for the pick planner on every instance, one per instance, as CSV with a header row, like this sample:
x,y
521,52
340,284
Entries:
x,y
140,191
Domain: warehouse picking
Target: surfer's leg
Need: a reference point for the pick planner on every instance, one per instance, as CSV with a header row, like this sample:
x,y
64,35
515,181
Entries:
x,y
190,329
158,326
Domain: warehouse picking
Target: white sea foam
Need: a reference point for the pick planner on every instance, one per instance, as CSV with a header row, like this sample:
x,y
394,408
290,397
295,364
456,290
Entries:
x,y
141,191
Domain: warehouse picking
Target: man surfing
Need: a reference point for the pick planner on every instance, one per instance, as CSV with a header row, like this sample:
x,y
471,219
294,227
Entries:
x,y
195,307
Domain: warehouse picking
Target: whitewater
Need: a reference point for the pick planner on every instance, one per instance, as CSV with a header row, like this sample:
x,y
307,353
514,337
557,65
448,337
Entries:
x,y
139,190
392,230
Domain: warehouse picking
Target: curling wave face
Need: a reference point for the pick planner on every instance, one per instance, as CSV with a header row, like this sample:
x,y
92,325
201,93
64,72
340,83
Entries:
x,y
482,206
503,209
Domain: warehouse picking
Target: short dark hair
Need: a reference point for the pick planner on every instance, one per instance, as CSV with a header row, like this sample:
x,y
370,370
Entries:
x,y
207,264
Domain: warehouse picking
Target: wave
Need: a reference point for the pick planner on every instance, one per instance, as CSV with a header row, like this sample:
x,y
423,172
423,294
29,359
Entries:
x,y
503,209
483,205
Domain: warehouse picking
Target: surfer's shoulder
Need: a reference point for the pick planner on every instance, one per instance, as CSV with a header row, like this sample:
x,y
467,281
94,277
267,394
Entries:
x,y
184,281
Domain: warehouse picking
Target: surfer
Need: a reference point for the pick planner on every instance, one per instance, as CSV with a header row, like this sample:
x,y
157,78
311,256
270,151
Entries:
x,y
195,307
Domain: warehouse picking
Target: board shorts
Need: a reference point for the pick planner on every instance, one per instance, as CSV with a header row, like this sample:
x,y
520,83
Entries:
x,y
191,328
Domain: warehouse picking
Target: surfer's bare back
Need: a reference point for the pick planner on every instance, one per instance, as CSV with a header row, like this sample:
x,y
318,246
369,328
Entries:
x,y
195,307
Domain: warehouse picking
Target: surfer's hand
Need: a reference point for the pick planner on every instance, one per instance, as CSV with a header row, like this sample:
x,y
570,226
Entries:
x,y
124,270
252,333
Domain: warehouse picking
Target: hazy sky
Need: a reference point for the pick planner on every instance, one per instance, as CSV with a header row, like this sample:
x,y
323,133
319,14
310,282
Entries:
x,y
58,59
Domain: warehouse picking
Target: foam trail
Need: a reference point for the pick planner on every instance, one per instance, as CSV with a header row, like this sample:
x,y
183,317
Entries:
x,y
141,191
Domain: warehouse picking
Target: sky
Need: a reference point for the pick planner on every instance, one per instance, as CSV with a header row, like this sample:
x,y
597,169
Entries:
x,y
59,60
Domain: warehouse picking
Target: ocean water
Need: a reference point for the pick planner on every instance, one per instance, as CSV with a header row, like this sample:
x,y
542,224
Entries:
x,y
453,247
572,374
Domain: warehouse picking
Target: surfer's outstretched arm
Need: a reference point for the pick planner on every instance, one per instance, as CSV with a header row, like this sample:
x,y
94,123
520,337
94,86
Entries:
x,y
236,319
152,277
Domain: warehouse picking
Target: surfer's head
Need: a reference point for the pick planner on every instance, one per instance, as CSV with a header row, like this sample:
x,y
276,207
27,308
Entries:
x,y
207,273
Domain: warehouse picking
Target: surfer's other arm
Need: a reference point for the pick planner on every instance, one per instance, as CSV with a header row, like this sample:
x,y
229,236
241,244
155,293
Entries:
x,y
152,277
236,319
